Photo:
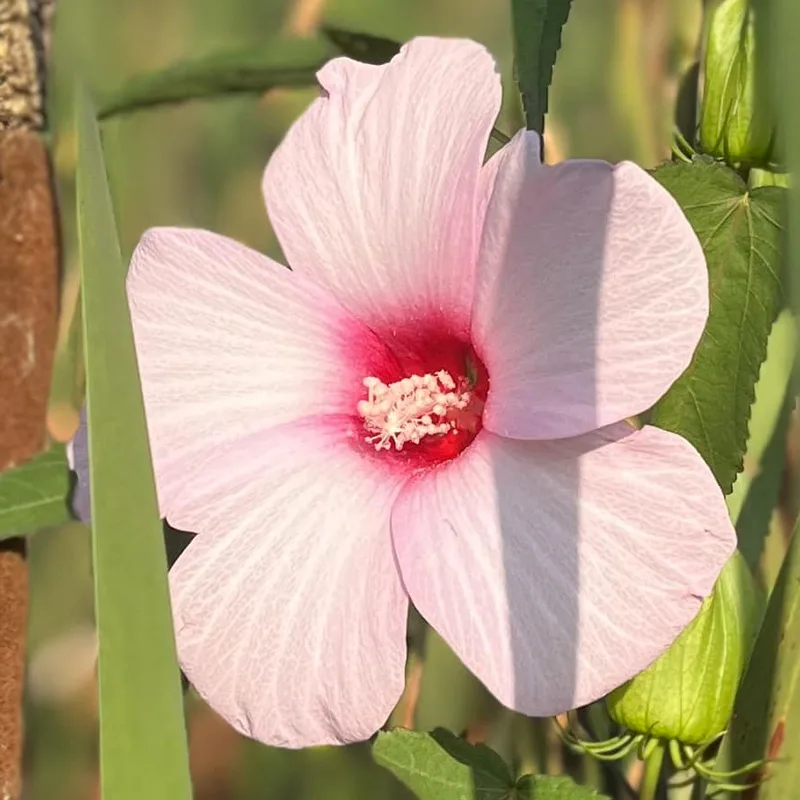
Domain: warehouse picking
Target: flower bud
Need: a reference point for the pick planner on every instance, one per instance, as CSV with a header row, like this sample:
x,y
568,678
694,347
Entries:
x,y
687,695
736,121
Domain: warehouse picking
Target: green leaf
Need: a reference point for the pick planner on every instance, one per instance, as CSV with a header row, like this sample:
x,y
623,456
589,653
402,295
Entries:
x,y
280,62
441,766
34,495
740,231
546,787
537,39
143,750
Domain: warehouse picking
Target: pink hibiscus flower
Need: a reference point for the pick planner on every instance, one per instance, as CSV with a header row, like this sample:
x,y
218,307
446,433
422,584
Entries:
x,y
429,406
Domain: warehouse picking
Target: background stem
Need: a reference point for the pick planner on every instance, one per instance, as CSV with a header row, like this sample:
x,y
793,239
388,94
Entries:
x,y
652,773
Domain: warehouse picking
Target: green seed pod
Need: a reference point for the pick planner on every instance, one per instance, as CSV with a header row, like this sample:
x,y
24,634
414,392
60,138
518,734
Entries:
x,y
687,695
736,121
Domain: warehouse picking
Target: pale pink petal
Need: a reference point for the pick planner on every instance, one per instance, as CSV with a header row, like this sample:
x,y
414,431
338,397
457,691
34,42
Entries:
x,y
289,612
558,570
591,295
375,189
230,343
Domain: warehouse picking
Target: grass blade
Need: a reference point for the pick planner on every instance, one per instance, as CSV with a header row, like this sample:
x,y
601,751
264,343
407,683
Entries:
x,y
143,750
768,702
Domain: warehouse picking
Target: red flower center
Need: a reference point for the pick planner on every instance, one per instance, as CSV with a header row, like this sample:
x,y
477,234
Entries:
x,y
427,406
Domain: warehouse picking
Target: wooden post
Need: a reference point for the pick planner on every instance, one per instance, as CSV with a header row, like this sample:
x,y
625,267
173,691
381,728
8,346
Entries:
x,y
29,277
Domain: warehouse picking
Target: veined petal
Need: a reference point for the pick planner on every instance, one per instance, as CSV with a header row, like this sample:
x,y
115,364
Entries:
x,y
289,612
591,295
375,189
558,570
230,343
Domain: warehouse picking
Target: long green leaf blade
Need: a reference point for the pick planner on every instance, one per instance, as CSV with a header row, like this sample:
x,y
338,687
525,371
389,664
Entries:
x,y
280,62
740,231
34,495
143,751
764,723
537,39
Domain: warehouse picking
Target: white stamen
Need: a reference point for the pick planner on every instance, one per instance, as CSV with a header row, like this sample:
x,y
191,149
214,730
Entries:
x,y
410,409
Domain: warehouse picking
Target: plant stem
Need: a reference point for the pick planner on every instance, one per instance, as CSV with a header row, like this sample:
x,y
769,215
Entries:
x,y
652,772
632,94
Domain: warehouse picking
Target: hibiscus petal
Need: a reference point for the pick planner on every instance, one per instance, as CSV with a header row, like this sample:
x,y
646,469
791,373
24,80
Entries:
x,y
230,343
591,295
289,612
558,570
375,189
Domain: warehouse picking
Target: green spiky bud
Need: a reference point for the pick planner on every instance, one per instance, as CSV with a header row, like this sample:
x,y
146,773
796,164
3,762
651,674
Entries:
x,y
736,121
687,694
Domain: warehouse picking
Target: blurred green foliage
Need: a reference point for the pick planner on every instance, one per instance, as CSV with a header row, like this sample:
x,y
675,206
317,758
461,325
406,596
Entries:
x,y
201,164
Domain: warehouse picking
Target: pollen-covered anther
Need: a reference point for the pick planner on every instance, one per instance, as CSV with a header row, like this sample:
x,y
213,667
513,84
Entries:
x,y
410,409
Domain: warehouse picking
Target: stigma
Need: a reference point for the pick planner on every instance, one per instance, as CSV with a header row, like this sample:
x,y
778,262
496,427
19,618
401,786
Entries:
x,y
415,408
